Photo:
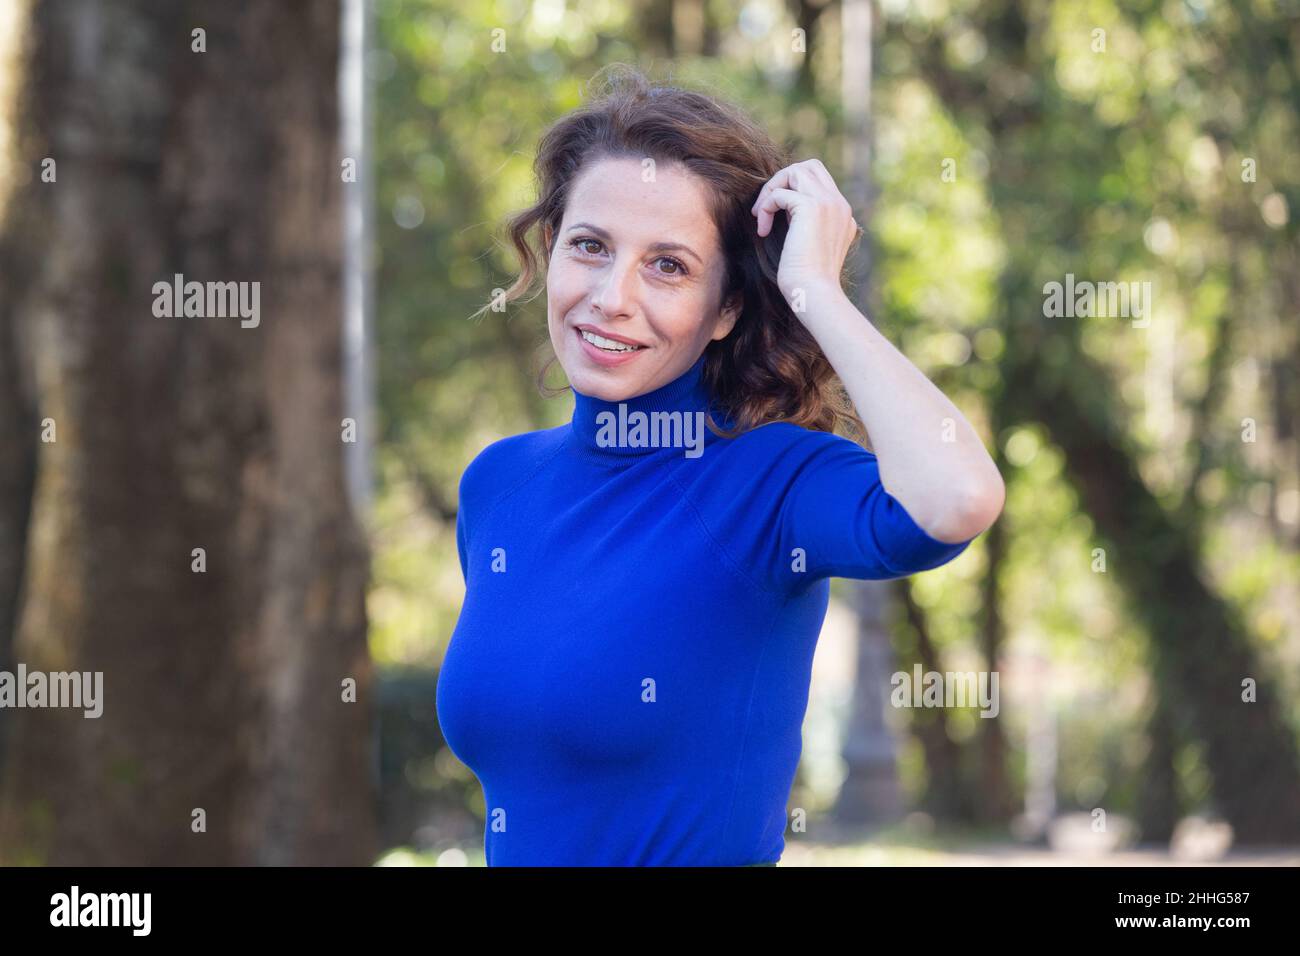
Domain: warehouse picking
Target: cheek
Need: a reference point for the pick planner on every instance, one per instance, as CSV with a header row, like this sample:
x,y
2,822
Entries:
x,y
564,286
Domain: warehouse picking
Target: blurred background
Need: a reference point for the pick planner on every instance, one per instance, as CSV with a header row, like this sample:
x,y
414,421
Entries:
x,y
249,529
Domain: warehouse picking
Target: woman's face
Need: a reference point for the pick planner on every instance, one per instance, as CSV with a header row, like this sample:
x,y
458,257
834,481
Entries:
x,y
634,263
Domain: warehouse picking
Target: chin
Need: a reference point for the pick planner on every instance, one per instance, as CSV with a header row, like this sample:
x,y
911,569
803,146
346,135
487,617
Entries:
x,y
610,385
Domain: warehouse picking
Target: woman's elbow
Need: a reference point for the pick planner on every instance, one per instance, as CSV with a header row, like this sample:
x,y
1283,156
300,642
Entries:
x,y
974,511
984,504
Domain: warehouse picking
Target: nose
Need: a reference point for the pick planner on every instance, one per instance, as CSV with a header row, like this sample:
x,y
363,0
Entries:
x,y
612,296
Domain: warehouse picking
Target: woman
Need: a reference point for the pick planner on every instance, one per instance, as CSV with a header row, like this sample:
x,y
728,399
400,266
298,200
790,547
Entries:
x,y
645,585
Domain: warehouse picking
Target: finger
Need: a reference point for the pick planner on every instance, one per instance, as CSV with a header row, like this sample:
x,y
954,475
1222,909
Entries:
x,y
776,199
810,176
779,179
819,170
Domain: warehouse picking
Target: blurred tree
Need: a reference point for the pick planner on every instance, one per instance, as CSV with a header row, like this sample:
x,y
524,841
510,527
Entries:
x,y
1200,647
870,792
195,139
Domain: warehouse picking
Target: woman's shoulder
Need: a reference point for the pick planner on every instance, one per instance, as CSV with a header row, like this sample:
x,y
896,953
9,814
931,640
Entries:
x,y
789,441
507,459
768,461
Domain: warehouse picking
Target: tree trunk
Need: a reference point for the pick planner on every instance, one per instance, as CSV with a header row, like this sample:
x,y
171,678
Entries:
x,y
221,688
870,792
1159,806
947,796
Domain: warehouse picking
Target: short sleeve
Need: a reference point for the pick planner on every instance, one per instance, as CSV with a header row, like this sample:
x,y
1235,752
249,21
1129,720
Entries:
x,y
839,517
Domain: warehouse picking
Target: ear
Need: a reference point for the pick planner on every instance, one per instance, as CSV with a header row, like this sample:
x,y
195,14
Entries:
x,y
728,317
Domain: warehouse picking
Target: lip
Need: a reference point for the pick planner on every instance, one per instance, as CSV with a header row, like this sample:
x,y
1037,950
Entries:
x,y
601,357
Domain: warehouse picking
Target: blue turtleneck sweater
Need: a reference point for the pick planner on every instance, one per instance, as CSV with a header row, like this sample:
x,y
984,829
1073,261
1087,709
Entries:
x,y
629,674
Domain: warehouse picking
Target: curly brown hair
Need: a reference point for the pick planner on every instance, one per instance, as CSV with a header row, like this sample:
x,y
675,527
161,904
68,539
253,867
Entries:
x,y
769,368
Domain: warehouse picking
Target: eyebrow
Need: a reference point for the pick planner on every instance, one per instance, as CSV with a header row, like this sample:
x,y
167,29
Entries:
x,y
657,247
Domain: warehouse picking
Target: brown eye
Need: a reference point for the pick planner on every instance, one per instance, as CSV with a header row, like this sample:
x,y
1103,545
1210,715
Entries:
x,y
679,269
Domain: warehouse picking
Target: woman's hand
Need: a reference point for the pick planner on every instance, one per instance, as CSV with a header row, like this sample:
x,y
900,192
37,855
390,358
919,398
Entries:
x,y
822,229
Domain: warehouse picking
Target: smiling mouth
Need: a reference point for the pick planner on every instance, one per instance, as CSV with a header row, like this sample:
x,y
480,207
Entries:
x,y
608,345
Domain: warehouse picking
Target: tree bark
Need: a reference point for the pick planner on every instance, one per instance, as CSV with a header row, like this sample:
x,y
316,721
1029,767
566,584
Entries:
x,y
221,688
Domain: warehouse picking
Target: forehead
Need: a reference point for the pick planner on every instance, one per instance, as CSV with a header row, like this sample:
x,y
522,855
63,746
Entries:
x,y
614,195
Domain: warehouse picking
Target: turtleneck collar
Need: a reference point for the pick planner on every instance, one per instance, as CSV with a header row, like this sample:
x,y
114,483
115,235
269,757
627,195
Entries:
x,y
626,430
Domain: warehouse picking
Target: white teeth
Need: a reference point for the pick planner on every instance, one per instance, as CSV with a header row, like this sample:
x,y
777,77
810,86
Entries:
x,y
609,345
